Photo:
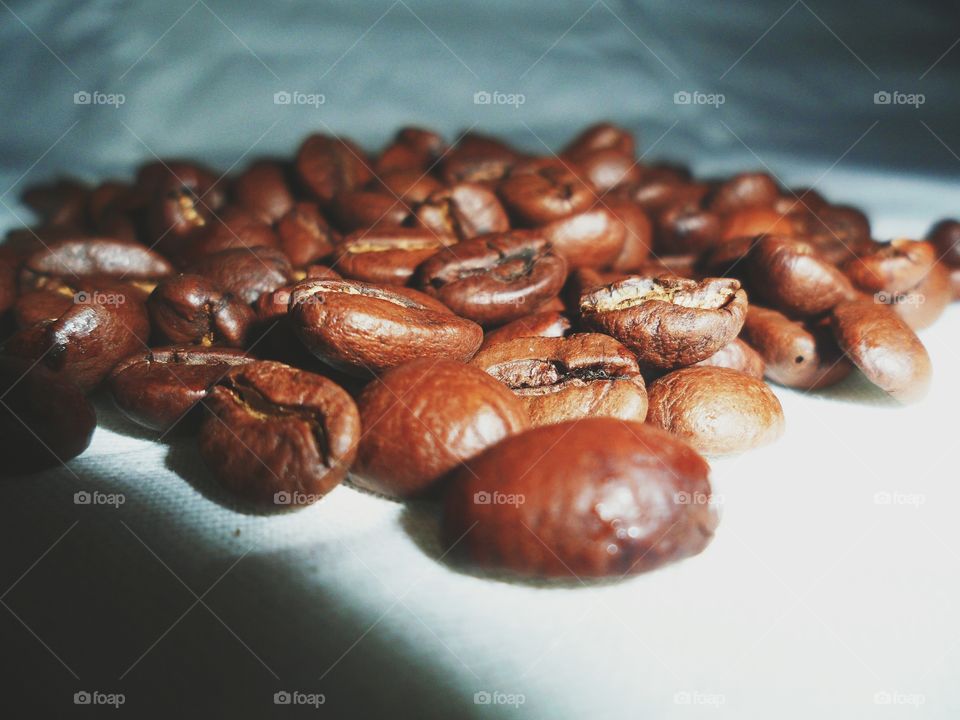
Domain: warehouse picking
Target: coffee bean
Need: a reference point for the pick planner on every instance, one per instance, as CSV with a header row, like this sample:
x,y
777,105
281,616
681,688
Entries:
x,y
305,236
191,309
477,158
328,165
386,256
737,355
884,347
245,273
8,286
602,136
638,237
365,209
945,236
685,227
410,186
540,192
892,267
547,323
798,354
44,419
560,379
84,260
668,322
413,149
592,239
454,410
279,435
717,410
62,202
158,387
233,228
181,198
362,328
589,498
606,169
924,303
750,222
746,190
263,189
463,211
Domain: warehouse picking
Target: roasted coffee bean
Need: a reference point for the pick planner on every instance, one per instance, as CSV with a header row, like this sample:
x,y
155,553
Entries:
x,y
83,260
558,379
717,410
39,306
751,222
245,273
728,259
638,238
62,202
192,309
792,276
606,169
737,355
797,354
924,303
683,266
546,323
496,278
87,338
539,193
387,256
838,223
477,158
746,190
884,347
44,420
454,410
157,388
945,236
684,227
463,211
592,239
361,328
279,435
181,198
305,235
892,267
412,148
364,209
8,286
328,165
798,200
667,321
232,228
588,498
602,136
410,186
263,189
659,186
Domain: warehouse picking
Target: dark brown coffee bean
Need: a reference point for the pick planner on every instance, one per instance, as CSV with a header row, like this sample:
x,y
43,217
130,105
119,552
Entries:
x,y
181,198
387,256
728,259
494,279
8,286
305,235
41,306
279,435
737,355
94,259
412,148
550,503
606,169
477,158
245,273
602,136
463,211
717,410
454,410
751,222
558,379
545,323
62,202
410,186
684,227
592,239
797,354
263,189
157,388
362,328
837,223
668,322
798,200
638,237
193,310
884,347
536,194
232,228
364,209
892,267
945,236
44,420
328,165
792,276
746,190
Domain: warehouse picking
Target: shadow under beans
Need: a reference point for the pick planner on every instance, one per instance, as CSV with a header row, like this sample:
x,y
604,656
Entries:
x,y
856,388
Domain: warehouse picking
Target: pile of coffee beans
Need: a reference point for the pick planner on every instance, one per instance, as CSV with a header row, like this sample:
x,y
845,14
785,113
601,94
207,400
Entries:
x,y
546,346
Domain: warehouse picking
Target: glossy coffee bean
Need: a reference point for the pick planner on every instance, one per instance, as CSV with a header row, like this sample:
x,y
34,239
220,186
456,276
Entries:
x,y
477,158
792,276
494,279
746,190
44,420
545,323
409,186
945,236
263,189
590,498
245,273
362,209
684,227
193,310
737,355
884,347
606,169
454,410
892,267
62,202
540,193
362,328
558,379
328,165
231,228
797,354
93,259
839,223
386,256
592,239
921,305
463,211
157,388
797,200
602,136
181,198
750,222
717,410
278,435
305,235
413,149
638,238
667,321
